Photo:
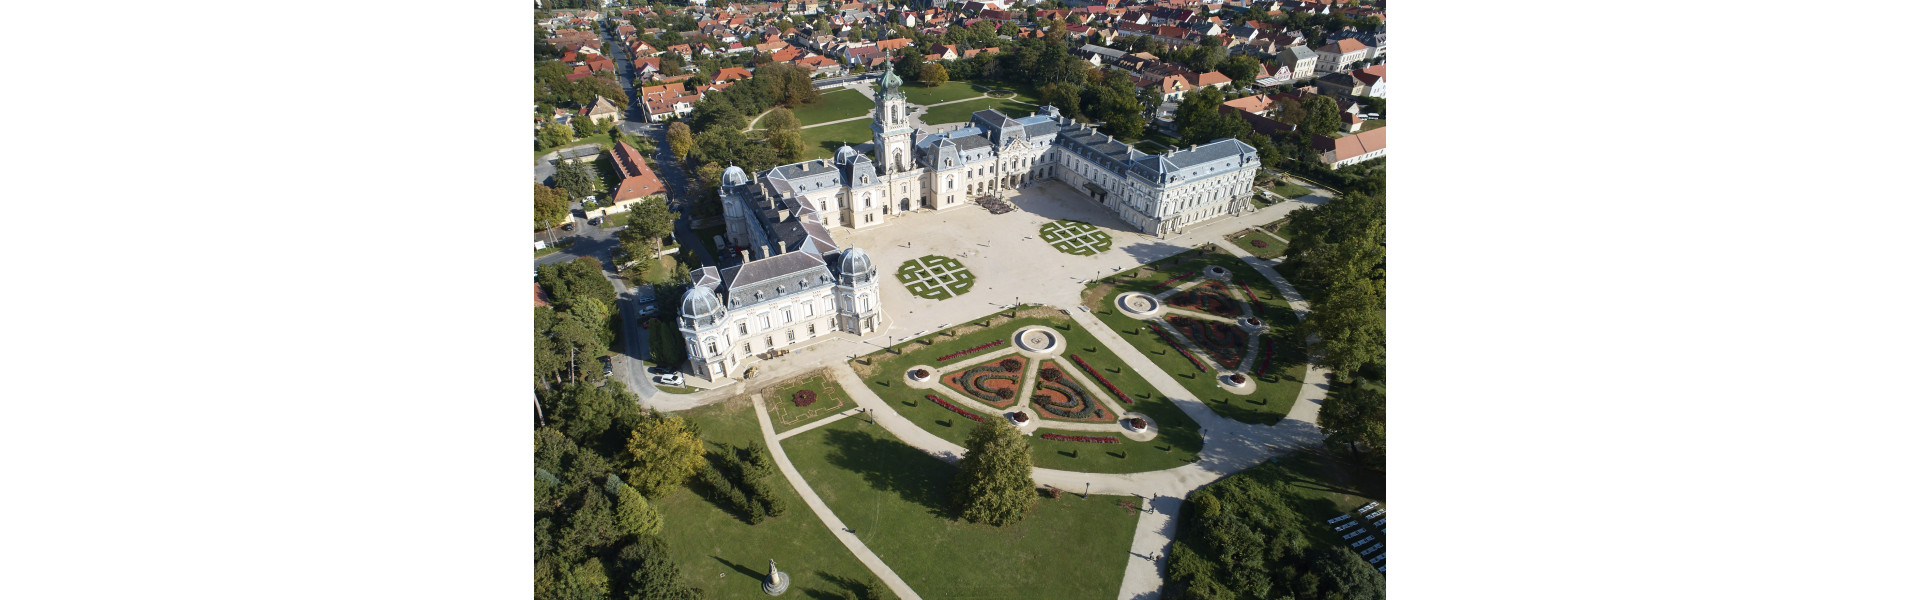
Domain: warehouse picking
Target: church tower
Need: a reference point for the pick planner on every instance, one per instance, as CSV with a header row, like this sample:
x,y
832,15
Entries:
x,y
892,137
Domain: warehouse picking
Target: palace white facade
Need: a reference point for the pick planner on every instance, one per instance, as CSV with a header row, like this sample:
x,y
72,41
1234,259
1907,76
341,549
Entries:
x,y
794,283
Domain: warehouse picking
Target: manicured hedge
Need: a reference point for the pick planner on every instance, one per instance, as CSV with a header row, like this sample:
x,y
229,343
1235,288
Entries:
x,y
963,412
1103,380
971,350
1096,439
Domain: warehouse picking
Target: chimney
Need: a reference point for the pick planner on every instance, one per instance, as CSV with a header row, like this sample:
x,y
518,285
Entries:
x,y
743,256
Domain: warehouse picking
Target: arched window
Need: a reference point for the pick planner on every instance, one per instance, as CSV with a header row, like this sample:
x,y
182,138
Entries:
x,y
866,303
949,182
866,200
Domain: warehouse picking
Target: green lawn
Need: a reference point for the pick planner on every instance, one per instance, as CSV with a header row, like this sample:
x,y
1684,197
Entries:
x,y
1282,228
822,141
895,498
1289,190
1374,124
1274,246
918,93
962,111
728,557
834,106
1179,439
828,399
662,269
1276,391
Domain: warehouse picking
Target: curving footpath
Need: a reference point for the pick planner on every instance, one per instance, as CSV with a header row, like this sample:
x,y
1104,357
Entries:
x,y
833,523
1229,447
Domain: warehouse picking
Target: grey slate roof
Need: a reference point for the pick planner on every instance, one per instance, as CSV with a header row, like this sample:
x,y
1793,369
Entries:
x,y
706,277
1301,52
1208,152
971,142
772,267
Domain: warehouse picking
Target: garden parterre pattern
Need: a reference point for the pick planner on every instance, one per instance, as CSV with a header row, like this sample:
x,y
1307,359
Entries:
x,y
986,381
935,277
1075,237
1211,298
1225,343
1065,399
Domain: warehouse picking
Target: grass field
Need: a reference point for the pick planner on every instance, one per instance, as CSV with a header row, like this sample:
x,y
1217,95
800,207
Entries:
x,y
961,111
1179,439
828,399
728,557
896,499
1374,124
1276,391
1275,246
834,106
552,249
1289,190
822,141
945,92
662,269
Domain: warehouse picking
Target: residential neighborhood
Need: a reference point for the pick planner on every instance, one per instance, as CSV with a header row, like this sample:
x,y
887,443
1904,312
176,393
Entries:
x,y
818,283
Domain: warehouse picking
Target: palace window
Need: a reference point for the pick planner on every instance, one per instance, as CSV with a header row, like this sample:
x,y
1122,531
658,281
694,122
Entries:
x,y
743,328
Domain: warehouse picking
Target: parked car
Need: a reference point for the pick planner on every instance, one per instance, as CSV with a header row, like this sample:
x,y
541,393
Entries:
x,y
647,310
567,227
659,370
672,379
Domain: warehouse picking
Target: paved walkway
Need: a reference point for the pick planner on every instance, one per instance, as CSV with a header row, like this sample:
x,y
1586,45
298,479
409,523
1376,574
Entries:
x,y
833,523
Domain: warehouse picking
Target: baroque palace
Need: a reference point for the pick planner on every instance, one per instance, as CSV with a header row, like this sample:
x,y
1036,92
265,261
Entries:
x,y
794,283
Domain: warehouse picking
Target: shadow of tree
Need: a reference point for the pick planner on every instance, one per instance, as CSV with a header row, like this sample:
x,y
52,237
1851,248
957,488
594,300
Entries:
x,y
891,466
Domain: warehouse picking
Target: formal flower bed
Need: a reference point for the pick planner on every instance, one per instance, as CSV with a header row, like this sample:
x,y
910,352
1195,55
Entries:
x,y
1227,344
1019,417
1259,243
971,350
1237,378
963,412
1174,280
1259,308
1137,423
1266,357
1178,346
920,373
1064,398
1210,298
1095,439
995,383
804,398
1103,380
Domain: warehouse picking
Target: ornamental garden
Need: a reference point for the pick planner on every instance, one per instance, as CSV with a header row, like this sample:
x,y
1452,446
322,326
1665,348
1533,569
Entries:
x,y
1222,330
1083,407
1075,237
801,400
935,277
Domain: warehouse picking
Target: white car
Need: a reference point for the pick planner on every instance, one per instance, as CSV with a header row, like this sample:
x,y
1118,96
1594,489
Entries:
x,y
672,379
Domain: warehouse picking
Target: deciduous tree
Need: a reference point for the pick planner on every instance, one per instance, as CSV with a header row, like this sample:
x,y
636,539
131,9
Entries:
x,y
932,74
995,482
663,454
1323,116
679,139
549,206
779,119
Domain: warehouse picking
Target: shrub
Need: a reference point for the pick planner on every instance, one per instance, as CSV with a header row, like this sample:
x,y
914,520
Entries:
x,y
1259,243
1004,393
804,398
1009,364
1237,378
919,373
1050,374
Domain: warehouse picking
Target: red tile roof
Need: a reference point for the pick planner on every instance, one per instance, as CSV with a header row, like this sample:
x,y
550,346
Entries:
x,y
637,181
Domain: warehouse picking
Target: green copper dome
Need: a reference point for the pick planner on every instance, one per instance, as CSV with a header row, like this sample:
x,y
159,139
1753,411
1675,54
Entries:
x,y
889,81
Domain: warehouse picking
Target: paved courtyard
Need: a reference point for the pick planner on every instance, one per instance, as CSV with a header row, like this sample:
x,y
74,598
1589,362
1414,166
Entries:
x,y
1008,257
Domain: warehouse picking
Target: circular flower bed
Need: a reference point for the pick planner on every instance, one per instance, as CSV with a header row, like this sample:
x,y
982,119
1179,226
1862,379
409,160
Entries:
x,y
1019,417
1137,423
919,373
1050,374
804,398
1259,243
1237,378
1009,364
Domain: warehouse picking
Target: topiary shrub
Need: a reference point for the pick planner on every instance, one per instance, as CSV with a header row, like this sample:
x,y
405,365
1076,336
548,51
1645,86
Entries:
x,y
1009,364
1004,393
1050,374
